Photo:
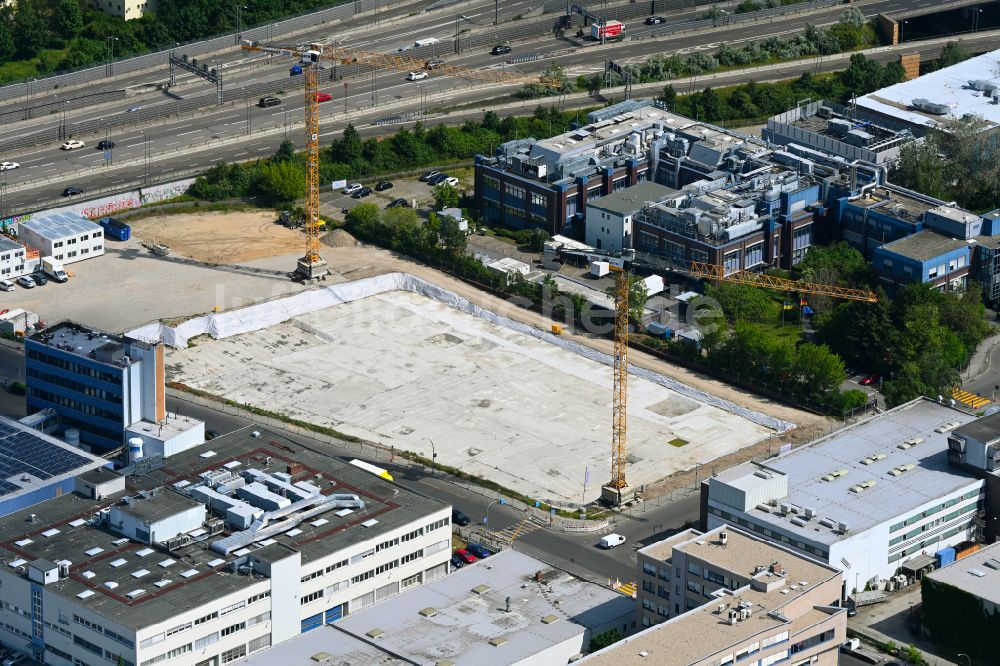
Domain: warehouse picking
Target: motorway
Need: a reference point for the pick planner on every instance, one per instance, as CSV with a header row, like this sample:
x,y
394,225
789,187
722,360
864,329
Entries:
x,y
234,132
577,554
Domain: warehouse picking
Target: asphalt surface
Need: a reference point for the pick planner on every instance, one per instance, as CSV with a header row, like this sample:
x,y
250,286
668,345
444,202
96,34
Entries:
x,y
578,554
240,131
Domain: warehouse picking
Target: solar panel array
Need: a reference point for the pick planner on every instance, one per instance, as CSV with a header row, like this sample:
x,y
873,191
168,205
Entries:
x,y
28,453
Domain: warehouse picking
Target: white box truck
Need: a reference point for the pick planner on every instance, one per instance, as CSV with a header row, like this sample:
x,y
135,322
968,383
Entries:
x,y
54,269
426,41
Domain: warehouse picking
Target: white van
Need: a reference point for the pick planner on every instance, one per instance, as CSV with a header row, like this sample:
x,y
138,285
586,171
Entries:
x,y
612,540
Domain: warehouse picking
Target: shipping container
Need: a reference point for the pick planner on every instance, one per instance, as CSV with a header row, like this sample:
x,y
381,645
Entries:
x,y
114,228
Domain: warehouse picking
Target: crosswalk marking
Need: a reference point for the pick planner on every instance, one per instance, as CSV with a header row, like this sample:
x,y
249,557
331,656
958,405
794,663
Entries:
x,y
522,527
969,399
628,589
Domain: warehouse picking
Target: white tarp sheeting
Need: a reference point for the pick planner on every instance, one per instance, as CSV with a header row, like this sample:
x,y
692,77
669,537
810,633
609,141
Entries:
x,y
264,315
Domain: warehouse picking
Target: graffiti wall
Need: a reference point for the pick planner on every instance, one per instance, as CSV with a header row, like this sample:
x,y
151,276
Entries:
x,y
165,191
111,204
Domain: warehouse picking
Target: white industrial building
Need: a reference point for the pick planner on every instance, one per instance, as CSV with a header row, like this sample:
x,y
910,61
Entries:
x,y
867,499
11,258
507,610
171,572
66,237
609,219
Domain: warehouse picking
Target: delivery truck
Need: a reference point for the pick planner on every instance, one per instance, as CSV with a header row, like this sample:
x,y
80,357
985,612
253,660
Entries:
x,y
609,30
426,41
54,269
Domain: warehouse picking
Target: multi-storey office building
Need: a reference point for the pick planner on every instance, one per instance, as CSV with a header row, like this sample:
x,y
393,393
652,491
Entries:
x,y
868,499
729,597
220,553
110,388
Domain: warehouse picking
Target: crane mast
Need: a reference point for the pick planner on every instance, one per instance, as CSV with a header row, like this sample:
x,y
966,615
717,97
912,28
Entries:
x,y
311,266
619,408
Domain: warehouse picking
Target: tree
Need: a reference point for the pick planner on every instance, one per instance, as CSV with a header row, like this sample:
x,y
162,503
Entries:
x,y
363,221
952,54
348,149
819,370
743,303
452,237
638,294
282,182
602,641
67,19
285,152
668,96
6,39
30,34
853,17
445,196
838,264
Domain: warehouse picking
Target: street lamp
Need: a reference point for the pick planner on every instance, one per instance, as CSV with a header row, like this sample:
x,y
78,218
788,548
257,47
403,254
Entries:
x,y
111,54
901,24
498,500
975,18
967,657
239,21
434,456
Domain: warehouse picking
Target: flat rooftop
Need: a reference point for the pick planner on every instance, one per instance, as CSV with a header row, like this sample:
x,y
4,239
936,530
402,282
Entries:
x,y
171,426
195,575
56,226
632,198
30,459
948,86
620,126
7,245
896,203
924,245
852,450
977,574
984,429
702,632
453,618
76,339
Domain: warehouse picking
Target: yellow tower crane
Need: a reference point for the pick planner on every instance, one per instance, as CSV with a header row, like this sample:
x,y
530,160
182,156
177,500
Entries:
x,y
311,266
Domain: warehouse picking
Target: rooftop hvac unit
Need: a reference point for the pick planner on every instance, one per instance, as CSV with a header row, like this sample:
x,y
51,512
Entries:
x,y
723,537
927,106
785,508
799,522
810,513
826,522
824,112
842,527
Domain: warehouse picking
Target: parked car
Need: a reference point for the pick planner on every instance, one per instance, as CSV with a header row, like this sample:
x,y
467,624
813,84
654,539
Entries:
x,y
434,64
609,541
870,380
40,279
362,193
450,180
465,556
438,179
398,203
6,285
323,97
479,551
459,518
500,49
9,166
270,100
351,189
416,76
71,191
26,282
456,562
428,175
105,144
72,144
14,659
655,20
383,186
851,611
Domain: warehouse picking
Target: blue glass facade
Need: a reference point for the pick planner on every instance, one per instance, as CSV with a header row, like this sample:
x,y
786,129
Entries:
x,y
87,394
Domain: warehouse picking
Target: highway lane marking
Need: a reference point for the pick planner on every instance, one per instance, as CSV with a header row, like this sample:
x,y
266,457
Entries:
x,y
191,132
173,143
47,164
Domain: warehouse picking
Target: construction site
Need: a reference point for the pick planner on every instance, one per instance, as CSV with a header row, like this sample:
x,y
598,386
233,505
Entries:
x,y
399,361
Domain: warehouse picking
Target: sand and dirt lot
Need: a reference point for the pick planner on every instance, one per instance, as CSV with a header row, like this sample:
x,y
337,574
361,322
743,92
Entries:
x,y
221,238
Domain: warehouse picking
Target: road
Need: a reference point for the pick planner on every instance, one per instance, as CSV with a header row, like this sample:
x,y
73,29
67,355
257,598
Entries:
x,y
577,554
187,144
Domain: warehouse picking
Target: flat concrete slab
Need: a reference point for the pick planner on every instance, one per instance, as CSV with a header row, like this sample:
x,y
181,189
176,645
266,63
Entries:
x,y
407,370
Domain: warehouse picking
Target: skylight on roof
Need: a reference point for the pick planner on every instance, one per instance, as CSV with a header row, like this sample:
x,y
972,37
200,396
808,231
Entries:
x,y
79,522
86,594
163,583
111,585
189,573
145,551
17,563
88,574
293,532
140,573
321,521
371,522
135,593
167,562
209,454
121,561
51,533
216,562
24,542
